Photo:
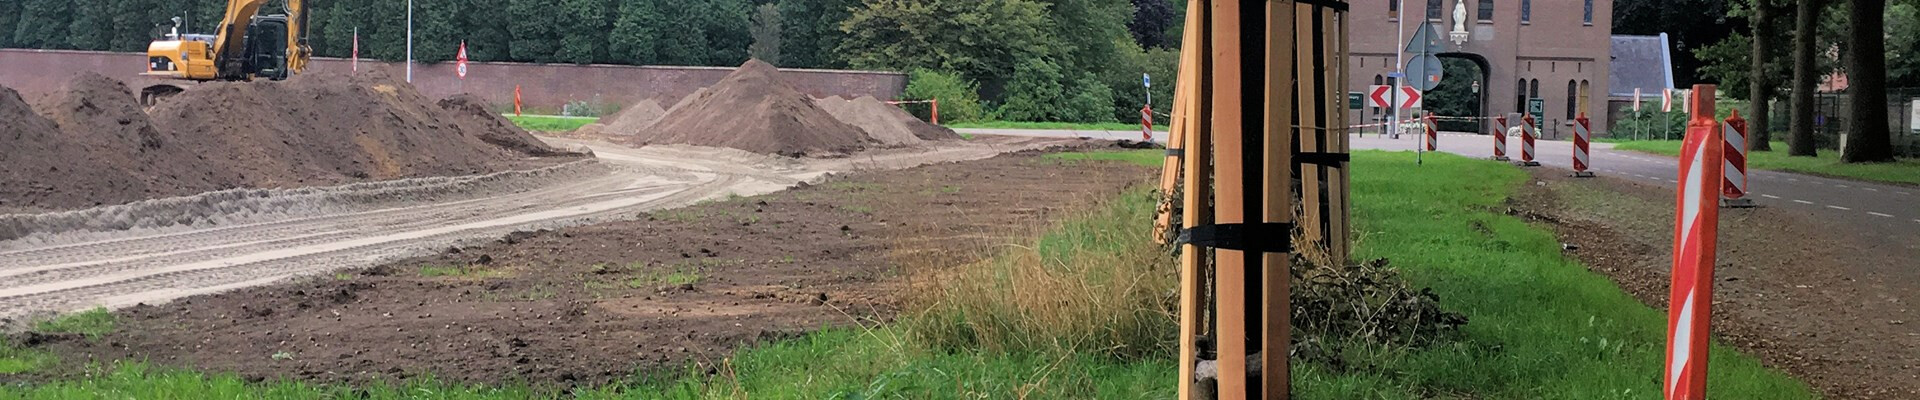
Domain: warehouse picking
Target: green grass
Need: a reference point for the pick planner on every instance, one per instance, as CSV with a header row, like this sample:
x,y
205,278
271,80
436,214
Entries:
x,y
1078,126
91,323
1150,158
1826,164
549,123
1542,325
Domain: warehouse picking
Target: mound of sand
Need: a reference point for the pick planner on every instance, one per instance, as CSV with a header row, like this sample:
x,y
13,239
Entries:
x,y
633,119
753,110
101,148
884,122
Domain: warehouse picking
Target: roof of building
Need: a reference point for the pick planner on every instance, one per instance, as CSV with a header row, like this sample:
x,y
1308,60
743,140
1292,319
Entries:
x,y
1642,62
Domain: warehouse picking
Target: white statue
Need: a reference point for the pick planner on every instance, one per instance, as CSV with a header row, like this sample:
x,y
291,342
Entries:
x,y
1460,16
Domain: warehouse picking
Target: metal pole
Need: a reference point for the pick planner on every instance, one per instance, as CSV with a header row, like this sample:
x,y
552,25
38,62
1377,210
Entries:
x,y
409,41
1399,66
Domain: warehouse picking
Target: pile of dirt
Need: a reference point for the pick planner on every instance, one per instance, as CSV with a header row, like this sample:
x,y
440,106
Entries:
x,y
99,147
884,122
40,167
634,118
752,109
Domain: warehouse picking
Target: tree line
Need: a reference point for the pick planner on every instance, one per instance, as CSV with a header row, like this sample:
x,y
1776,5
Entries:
x,y
1048,60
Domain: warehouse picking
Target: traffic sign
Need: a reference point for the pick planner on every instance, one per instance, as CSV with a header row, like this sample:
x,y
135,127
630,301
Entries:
x,y
1410,97
1356,100
1538,107
462,58
1426,72
1426,41
1378,94
1146,80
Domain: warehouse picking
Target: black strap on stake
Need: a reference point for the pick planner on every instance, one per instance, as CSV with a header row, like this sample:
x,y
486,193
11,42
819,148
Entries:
x,y
1173,152
1265,237
1340,6
1324,159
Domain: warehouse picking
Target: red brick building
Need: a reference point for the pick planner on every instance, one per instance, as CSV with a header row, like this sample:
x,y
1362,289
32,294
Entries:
x,y
1553,50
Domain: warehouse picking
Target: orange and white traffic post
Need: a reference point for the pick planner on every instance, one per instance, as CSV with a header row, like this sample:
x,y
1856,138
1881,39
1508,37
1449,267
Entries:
x,y
1500,139
1733,193
1527,132
1146,123
516,100
1695,234
1433,131
1582,134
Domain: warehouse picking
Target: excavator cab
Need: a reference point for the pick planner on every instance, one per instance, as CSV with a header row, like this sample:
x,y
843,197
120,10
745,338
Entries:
x,y
265,55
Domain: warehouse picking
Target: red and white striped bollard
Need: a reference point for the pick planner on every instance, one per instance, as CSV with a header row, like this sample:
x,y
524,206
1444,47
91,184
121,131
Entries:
x,y
1527,132
1500,139
1689,309
1733,193
1582,135
1433,131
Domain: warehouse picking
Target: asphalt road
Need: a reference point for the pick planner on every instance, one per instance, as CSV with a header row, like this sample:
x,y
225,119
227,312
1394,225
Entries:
x,y
1886,216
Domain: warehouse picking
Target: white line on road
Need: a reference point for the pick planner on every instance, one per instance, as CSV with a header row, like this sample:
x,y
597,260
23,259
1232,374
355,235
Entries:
x,y
1904,193
1840,208
1802,201
1880,215
1770,196
1844,186
1871,189
1672,181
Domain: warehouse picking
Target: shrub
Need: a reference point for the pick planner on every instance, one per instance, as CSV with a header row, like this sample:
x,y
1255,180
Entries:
x,y
1039,91
959,98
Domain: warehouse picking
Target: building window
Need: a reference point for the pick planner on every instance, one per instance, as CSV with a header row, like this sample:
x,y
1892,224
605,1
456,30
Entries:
x,y
1520,96
1486,11
1526,11
1433,10
1589,15
1393,9
1586,95
1573,99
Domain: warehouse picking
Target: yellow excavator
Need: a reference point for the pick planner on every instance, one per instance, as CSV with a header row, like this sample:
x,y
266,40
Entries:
x,y
247,46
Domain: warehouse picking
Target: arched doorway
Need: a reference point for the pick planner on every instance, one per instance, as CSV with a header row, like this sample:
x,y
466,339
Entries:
x,y
1463,92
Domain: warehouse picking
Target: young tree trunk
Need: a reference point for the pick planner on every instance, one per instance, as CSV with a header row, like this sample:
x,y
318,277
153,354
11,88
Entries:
x,y
1760,86
1801,141
1871,139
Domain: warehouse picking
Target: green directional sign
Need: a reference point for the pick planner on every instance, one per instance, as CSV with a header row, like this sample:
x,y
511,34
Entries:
x,y
1356,100
1538,109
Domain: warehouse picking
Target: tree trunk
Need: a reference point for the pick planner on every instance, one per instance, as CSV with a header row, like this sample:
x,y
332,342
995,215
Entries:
x,y
1871,139
1801,142
1760,86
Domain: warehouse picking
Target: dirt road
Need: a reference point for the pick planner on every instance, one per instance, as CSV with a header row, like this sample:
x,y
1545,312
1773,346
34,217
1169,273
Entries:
x,y
126,255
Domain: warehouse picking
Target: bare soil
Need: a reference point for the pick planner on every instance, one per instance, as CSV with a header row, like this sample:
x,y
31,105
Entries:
x,y
886,123
596,303
752,109
313,130
1803,294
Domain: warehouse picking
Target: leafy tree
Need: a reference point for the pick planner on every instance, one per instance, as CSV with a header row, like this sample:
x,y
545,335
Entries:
x,y
337,34
683,37
811,38
727,36
766,32
43,24
1089,101
584,40
636,31
1871,140
1038,91
1152,22
1089,29
536,30
1801,140
959,98
437,29
488,38
1681,20
1454,96
134,24
1124,79
1761,76
978,39
9,18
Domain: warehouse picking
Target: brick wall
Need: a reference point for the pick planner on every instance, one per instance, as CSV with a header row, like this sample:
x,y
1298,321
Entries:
x,y
545,86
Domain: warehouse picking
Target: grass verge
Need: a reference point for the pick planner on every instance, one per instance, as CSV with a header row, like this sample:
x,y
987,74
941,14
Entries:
x,y
1826,164
1077,126
91,323
550,123
1542,325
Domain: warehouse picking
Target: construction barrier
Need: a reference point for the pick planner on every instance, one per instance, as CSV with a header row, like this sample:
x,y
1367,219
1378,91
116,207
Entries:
x,y
1500,139
1734,190
1433,132
516,100
935,117
1695,233
1146,123
1527,132
1582,133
